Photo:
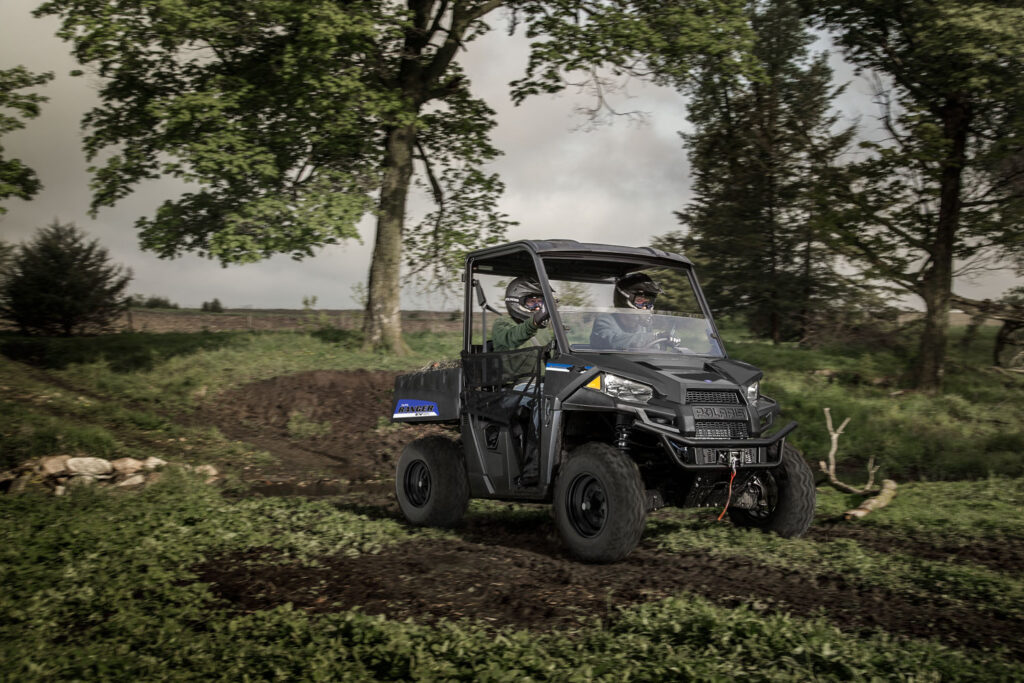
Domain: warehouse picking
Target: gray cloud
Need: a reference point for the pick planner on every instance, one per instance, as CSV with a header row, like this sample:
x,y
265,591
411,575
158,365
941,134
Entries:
x,y
617,184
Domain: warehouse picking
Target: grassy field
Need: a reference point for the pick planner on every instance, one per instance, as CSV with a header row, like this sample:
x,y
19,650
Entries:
x,y
103,585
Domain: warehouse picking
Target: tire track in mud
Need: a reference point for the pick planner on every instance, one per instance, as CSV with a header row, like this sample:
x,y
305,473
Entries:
x,y
1006,555
504,584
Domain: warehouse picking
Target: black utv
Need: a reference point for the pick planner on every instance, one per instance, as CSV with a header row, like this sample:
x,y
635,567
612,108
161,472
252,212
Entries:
x,y
613,410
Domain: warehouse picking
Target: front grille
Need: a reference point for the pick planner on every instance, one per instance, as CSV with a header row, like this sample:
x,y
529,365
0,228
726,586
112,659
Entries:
x,y
707,429
716,397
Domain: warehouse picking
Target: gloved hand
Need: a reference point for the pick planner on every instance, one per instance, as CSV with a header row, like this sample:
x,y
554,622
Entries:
x,y
540,317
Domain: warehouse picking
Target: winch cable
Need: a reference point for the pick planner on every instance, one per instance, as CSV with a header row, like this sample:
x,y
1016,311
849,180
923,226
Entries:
x,y
728,498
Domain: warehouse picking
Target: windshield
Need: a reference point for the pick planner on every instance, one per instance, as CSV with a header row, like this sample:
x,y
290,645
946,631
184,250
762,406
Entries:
x,y
649,310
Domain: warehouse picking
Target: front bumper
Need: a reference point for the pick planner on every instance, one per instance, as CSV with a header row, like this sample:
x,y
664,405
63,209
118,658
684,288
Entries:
x,y
692,453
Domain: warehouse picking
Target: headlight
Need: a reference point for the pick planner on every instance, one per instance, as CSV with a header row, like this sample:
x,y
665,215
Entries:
x,y
752,391
626,389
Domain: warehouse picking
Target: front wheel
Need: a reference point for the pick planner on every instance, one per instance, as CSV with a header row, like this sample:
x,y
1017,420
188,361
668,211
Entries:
x,y
431,483
790,498
600,508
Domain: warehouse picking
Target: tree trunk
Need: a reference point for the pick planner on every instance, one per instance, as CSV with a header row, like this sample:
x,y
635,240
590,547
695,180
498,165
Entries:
x,y
382,326
932,348
937,282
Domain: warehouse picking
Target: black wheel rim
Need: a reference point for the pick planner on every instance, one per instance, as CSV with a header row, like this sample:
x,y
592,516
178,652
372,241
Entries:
x,y
587,505
770,486
417,483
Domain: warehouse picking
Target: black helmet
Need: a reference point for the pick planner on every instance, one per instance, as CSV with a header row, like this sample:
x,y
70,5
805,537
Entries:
x,y
516,294
628,286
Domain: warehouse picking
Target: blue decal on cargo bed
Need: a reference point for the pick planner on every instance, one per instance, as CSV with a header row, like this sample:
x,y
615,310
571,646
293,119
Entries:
x,y
412,408
558,367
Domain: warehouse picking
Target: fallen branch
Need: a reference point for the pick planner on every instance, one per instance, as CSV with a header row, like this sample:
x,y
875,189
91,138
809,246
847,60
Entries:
x,y
878,502
880,496
830,469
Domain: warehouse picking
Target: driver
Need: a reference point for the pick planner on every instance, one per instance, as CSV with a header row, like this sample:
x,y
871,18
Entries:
x,y
635,292
525,303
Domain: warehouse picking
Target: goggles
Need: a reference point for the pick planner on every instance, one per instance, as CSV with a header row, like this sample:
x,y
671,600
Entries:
x,y
643,300
532,302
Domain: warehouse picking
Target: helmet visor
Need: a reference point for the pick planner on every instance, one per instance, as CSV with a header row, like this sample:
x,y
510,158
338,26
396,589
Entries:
x,y
532,302
643,300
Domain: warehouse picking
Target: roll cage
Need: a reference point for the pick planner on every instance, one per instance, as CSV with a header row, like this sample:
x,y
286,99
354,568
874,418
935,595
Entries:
x,y
563,260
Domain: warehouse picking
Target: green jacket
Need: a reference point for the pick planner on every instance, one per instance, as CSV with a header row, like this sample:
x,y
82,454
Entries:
x,y
507,334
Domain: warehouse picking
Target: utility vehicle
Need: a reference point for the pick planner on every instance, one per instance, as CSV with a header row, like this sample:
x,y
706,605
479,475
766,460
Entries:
x,y
606,431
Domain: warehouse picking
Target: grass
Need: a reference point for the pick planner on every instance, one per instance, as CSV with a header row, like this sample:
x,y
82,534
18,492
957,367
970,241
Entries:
x,y
99,585
117,395
924,512
972,430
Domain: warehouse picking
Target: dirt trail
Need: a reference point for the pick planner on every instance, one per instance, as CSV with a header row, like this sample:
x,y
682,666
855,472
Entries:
x,y
517,573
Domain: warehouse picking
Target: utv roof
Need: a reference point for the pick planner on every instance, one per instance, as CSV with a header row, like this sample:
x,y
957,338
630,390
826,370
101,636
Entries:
x,y
516,258
571,248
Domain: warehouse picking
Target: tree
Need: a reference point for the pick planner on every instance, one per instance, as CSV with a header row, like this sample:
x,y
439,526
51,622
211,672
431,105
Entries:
x,y
764,157
944,189
295,117
61,284
17,179
6,256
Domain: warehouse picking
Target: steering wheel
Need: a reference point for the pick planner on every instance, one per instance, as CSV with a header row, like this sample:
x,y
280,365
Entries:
x,y
661,342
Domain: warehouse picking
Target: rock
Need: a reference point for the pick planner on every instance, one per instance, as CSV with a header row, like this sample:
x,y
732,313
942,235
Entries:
x,y
152,462
134,480
81,480
59,490
53,465
154,478
89,466
208,470
127,465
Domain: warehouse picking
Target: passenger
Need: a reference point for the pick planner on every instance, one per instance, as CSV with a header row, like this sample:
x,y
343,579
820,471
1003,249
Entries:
x,y
635,292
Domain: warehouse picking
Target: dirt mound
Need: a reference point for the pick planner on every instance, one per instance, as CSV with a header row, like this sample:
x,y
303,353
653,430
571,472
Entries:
x,y
321,425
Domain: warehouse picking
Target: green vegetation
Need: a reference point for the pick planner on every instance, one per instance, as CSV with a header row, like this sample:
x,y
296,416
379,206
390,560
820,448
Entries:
x,y
970,431
102,584
214,306
62,283
95,588
300,426
17,179
115,395
142,301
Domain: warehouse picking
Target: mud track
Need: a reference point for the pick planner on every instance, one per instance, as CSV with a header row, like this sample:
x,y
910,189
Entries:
x,y
515,572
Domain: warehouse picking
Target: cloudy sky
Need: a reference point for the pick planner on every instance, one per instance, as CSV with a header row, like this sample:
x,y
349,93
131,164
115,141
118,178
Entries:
x,y
618,184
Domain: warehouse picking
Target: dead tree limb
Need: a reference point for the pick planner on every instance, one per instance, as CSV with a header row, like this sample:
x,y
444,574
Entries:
x,y
880,497
884,497
830,469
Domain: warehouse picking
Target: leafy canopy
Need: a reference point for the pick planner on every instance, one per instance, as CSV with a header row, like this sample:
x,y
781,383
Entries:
x,y
277,112
947,178
17,179
272,111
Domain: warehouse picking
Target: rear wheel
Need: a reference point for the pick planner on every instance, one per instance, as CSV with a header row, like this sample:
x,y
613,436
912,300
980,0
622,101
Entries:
x,y
599,502
431,483
790,498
